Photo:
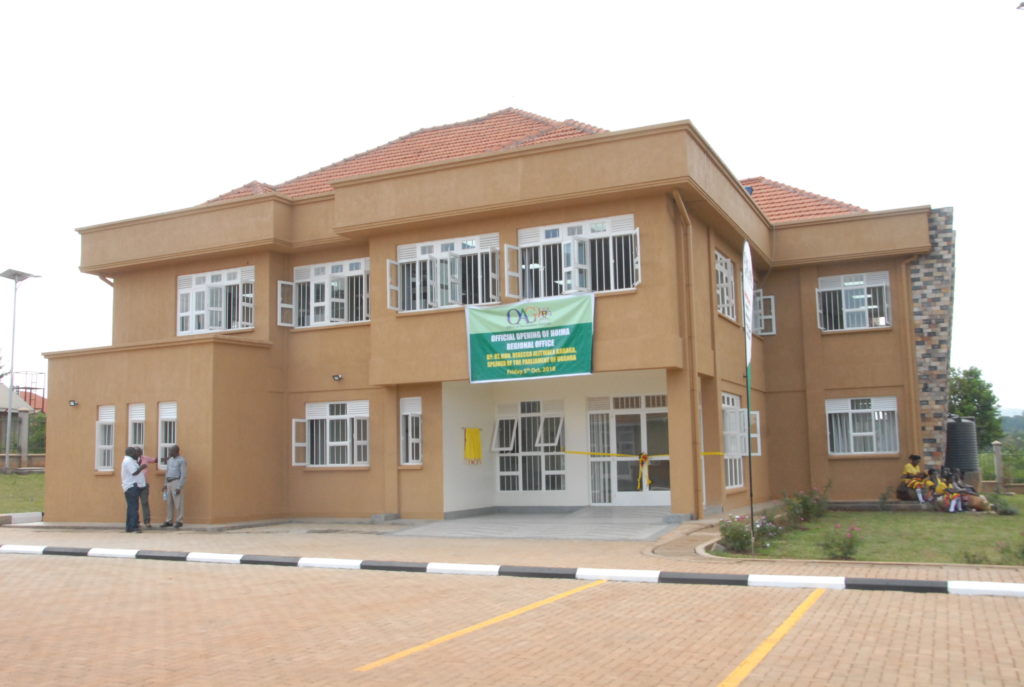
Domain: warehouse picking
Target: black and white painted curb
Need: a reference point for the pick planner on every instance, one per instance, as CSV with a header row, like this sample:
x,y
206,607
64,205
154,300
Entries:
x,y
964,587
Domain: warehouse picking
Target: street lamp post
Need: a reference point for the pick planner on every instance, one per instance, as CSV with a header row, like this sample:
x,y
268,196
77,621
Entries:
x,y
16,276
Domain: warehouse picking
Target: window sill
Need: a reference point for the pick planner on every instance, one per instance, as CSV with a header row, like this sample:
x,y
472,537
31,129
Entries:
x,y
322,468
865,456
103,473
728,319
321,327
410,466
735,490
861,330
236,330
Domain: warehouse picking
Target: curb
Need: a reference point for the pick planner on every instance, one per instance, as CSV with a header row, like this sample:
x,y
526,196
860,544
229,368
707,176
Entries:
x,y
962,587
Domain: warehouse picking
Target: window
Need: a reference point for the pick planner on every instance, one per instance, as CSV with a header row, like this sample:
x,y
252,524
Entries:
x,y
734,439
333,434
764,313
137,424
862,425
167,412
853,301
410,412
528,440
590,255
725,286
443,274
215,301
105,438
325,294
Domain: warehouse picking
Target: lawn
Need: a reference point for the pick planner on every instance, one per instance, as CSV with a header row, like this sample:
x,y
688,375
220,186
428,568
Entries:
x,y
21,493
913,536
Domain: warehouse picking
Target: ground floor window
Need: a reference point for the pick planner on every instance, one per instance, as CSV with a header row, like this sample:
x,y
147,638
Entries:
x,y
862,425
168,415
137,425
333,434
105,438
734,439
411,430
528,440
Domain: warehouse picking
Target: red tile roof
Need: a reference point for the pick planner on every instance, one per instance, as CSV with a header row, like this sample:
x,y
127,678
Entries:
x,y
782,203
508,128
502,130
37,401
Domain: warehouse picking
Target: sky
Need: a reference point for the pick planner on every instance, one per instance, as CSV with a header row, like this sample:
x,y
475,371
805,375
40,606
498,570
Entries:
x,y
114,110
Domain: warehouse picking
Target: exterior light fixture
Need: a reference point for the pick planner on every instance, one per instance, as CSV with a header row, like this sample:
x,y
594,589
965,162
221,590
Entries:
x,y
72,403
337,378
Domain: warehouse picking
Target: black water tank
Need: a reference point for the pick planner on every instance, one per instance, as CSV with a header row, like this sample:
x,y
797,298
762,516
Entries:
x,y
962,444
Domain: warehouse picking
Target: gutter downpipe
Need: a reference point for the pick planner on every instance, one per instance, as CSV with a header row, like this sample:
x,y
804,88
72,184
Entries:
x,y
686,246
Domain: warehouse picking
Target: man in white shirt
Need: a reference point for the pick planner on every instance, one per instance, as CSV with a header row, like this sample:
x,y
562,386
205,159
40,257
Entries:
x,y
131,483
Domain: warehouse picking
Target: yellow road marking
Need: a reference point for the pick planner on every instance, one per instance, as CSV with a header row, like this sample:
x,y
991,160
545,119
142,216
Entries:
x,y
473,628
757,655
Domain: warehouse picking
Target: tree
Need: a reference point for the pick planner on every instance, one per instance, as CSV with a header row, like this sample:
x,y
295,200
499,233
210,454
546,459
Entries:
x,y
971,396
37,433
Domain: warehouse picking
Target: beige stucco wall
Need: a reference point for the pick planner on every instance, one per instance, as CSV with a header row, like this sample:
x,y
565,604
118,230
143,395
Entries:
x,y
238,391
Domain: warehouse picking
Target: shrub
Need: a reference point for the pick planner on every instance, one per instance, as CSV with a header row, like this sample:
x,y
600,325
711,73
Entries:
x,y
840,544
1001,505
735,532
884,499
805,506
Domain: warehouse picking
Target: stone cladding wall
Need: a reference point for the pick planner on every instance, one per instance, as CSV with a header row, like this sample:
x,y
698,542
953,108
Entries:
x,y
931,283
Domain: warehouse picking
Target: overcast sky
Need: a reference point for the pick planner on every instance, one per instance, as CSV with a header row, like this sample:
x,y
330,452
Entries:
x,y
113,110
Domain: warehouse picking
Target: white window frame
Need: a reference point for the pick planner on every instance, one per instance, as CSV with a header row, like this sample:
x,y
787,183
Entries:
x,y
437,275
862,426
540,467
333,434
137,425
592,255
725,286
216,301
410,430
734,439
105,417
167,414
325,294
764,313
850,302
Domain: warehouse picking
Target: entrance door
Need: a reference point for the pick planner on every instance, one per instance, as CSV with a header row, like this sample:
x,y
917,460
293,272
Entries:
x,y
635,425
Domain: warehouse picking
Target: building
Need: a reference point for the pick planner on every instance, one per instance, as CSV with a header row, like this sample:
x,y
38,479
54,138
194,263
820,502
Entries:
x,y
306,343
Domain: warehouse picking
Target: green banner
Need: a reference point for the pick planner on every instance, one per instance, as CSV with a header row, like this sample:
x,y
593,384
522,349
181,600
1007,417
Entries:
x,y
548,337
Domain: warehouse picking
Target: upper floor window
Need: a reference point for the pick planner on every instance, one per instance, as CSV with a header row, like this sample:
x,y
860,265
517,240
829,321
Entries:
x,y
725,286
332,435
862,425
329,293
590,255
854,301
764,313
215,301
441,274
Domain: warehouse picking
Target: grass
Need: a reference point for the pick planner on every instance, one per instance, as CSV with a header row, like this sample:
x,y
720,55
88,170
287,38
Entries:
x,y
914,537
21,493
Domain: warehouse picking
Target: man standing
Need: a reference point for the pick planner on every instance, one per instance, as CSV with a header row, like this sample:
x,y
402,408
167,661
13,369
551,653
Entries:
x,y
130,471
174,487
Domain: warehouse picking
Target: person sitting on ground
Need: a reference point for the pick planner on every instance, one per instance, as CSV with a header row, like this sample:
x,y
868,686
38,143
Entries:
x,y
946,494
971,498
915,479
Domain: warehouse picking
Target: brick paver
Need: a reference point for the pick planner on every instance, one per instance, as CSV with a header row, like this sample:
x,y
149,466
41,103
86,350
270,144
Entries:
x,y
99,621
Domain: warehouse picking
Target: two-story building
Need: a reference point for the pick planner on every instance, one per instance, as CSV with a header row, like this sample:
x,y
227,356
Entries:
x,y
308,343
